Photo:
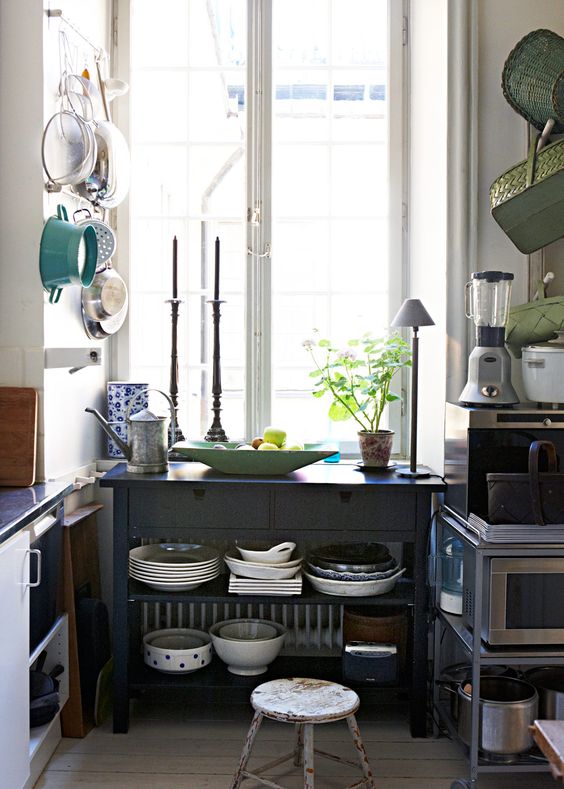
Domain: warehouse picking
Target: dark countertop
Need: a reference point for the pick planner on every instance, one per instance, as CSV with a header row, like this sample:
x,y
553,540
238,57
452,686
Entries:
x,y
20,506
342,473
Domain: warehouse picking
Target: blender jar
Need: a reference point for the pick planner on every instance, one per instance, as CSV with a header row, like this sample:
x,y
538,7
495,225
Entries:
x,y
487,298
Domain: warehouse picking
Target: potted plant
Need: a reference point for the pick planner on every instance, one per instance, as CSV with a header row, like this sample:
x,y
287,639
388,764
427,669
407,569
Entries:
x,y
358,380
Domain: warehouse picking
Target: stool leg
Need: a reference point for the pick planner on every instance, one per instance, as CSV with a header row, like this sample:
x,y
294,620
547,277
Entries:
x,y
309,775
361,753
299,746
247,748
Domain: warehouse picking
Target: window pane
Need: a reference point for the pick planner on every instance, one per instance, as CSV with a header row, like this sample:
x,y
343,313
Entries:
x,y
188,181
330,187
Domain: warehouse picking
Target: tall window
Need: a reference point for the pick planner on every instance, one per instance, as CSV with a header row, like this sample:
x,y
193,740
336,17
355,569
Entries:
x,y
274,125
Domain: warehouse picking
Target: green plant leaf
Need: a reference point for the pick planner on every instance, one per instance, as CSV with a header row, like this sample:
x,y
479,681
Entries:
x,y
324,343
338,412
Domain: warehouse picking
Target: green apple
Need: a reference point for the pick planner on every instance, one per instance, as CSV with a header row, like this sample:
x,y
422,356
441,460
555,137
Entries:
x,y
273,435
267,446
294,447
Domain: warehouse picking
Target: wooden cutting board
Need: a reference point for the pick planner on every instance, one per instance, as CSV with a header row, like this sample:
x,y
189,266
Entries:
x,y
18,435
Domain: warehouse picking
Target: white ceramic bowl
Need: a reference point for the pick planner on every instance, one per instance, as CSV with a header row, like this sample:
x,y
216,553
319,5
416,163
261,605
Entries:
x,y
177,650
269,572
353,588
248,630
275,555
247,658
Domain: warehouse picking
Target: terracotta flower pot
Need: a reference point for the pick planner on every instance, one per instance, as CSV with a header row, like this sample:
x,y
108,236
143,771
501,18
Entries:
x,y
375,448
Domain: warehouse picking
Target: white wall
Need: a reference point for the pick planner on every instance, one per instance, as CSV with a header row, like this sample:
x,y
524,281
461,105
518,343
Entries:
x,y
502,138
439,249
29,77
427,213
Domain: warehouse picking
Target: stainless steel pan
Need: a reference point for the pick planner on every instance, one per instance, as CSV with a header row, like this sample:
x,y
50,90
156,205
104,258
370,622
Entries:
x,y
106,296
108,184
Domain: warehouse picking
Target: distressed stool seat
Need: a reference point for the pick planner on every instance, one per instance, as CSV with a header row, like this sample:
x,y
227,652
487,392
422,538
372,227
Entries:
x,y
304,702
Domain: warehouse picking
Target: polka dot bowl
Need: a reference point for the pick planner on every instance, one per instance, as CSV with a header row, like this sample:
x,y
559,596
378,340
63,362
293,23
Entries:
x,y
177,650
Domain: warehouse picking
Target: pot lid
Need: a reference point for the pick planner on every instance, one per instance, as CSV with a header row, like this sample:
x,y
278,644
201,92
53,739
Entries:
x,y
556,344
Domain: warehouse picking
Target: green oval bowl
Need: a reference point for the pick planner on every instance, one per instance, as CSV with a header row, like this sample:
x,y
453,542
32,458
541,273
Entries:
x,y
232,461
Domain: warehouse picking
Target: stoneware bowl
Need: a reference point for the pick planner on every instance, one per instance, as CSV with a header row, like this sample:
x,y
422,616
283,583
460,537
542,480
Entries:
x,y
247,658
354,588
248,630
177,650
277,554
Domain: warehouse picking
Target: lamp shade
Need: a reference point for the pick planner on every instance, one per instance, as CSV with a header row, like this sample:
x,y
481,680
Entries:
x,y
412,313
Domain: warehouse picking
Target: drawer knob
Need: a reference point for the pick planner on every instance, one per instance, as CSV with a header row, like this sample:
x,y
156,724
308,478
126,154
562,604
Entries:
x,y
199,493
346,496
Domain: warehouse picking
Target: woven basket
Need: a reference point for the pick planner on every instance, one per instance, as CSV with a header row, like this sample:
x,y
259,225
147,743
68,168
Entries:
x,y
533,79
527,201
534,322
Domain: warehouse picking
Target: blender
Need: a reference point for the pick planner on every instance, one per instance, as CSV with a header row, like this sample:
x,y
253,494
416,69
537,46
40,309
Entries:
x,y
487,298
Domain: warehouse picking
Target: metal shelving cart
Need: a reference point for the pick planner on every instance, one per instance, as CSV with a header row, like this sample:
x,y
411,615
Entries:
x,y
450,625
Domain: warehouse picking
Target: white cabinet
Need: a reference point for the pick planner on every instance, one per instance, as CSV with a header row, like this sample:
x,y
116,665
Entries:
x,y
14,661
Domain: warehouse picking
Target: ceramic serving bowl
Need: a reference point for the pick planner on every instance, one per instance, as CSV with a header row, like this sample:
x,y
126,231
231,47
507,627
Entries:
x,y
278,554
247,657
232,461
350,557
336,575
353,588
248,630
177,650
270,572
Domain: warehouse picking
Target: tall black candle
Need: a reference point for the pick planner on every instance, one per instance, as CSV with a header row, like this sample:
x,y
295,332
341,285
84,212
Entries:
x,y
216,278
174,268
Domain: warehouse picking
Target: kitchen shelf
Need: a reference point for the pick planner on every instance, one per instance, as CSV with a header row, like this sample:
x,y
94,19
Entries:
x,y
216,591
56,644
522,655
329,502
212,683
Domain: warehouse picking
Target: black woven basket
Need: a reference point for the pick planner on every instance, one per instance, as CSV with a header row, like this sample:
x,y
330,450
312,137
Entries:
x,y
533,79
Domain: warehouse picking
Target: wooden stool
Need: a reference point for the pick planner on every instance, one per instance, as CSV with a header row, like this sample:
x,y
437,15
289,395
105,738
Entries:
x,y
304,702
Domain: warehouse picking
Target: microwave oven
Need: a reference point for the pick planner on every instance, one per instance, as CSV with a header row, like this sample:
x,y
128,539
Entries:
x,y
521,598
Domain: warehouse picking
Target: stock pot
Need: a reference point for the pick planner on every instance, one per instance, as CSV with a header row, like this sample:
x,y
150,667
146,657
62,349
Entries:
x,y
507,708
549,682
543,370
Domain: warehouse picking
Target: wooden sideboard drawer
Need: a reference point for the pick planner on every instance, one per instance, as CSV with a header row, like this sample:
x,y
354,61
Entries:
x,y
201,506
354,509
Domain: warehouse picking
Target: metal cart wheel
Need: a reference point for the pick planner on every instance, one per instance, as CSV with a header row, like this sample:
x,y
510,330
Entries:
x,y
460,783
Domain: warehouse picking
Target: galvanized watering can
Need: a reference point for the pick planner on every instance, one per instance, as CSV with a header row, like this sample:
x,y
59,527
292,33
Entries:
x,y
147,450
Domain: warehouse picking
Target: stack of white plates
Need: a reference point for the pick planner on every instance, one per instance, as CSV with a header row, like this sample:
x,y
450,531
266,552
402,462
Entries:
x,y
288,586
174,567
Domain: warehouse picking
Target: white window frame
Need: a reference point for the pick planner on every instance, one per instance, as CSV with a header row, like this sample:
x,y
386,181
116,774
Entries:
x,y
258,322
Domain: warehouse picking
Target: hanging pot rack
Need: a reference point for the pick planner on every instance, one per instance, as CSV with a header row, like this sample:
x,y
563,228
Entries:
x,y
58,14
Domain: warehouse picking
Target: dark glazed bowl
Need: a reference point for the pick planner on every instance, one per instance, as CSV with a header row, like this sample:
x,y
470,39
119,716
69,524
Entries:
x,y
351,557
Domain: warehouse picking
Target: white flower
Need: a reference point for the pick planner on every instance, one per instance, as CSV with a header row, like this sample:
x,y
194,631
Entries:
x,y
348,355
308,344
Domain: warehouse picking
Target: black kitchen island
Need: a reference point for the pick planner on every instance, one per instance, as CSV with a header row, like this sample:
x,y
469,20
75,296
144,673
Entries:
x,y
324,502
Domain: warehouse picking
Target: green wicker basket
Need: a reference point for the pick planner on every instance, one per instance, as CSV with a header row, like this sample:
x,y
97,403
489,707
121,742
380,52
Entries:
x,y
533,79
527,201
534,322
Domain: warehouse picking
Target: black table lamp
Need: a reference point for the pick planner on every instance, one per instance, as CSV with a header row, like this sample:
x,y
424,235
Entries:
x,y
413,313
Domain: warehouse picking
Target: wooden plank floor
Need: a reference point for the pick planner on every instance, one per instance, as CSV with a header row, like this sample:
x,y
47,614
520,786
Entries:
x,y
174,746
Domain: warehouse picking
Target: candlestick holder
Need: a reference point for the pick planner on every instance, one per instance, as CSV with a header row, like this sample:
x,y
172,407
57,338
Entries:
x,y
173,387
216,431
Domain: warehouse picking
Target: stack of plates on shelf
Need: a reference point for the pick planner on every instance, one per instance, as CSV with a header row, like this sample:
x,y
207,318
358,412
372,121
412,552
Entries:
x,y
353,569
269,571
174,567
259,586
515,532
